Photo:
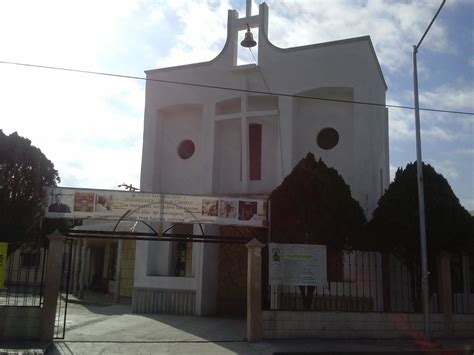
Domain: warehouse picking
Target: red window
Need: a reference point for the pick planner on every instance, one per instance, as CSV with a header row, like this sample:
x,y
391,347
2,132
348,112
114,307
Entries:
x,y
255,151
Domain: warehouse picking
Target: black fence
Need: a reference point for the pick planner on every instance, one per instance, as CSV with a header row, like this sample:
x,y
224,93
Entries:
x,y
23,274
357,281
462,278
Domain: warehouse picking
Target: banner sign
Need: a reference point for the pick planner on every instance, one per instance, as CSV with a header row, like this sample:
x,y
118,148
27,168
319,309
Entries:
x,y
3,262
64,202
297,264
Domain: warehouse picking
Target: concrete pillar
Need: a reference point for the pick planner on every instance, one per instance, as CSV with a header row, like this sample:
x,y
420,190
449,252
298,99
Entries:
x,y
71,271
118,272
254,291
77,265
82,274
207,273
88,269
445,294
52,284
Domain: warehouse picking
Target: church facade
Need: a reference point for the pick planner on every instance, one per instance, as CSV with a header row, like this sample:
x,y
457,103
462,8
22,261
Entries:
x,y
240,129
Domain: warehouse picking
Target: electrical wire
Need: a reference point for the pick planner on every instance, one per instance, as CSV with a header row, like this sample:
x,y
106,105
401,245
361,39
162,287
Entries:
x,y
234,89
260,70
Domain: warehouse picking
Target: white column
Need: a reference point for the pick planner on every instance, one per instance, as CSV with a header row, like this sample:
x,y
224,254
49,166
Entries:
x,y
82,274
254,293
52,284
207,285
118,272
88,269
71,271
77,265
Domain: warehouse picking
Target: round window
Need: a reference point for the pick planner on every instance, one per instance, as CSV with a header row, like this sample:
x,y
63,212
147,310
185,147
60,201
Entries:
x,y
327,138
186,149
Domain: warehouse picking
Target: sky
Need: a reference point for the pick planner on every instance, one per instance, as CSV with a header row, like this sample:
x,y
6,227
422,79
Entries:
x,y
91,126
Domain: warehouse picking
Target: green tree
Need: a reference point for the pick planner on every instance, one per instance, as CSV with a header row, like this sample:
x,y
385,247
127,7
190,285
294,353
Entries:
x,y
395,224
314,205
24,170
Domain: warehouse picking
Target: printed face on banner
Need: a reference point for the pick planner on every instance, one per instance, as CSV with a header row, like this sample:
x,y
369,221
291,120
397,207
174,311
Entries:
x,y
228,209
60,203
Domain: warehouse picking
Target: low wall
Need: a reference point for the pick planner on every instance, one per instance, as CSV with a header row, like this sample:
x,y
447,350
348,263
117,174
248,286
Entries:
x,y
159,301
287,324
20,323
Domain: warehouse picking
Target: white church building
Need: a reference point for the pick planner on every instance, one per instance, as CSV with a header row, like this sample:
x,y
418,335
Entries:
x,y
206,139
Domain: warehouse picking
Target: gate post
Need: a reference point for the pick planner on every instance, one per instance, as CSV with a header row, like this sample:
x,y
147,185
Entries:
x,y
51,285
82,272
254,290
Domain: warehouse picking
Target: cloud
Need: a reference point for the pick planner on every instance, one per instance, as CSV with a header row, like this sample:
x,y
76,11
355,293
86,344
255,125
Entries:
x,y
393,170
56,32
447,168
394,26
70,117
451,96
91,127
201,34
402,128
468,204
466,151
435,126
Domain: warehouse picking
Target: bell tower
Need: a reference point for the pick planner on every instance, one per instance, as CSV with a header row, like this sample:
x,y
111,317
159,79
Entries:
x,y
240,35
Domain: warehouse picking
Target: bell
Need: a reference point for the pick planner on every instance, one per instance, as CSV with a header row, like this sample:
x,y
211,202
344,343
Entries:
x,y
248,40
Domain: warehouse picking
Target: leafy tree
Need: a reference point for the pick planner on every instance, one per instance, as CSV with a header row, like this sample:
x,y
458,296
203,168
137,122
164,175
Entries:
x,y
395,224
314,205
24,170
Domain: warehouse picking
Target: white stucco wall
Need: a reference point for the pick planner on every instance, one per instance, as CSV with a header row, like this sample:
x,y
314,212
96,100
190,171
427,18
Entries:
x,y
345,70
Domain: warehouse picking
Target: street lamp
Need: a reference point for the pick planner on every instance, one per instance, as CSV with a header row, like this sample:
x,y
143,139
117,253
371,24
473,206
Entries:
x,y
129,187
421,198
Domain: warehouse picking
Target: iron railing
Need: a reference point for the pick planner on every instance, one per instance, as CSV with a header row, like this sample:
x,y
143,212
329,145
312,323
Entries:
x,y
368,281
462,280
24,275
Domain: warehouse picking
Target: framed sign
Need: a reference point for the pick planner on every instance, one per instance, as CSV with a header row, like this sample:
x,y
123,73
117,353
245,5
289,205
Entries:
x,y
297,264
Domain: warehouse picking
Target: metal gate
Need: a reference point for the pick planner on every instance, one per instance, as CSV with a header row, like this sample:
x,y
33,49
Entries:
x,y
61,310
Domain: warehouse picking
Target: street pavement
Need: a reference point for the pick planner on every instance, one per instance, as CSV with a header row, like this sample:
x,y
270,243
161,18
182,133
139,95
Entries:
x,y
96,327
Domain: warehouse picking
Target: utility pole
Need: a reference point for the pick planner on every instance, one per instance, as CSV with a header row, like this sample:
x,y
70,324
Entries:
x,y
425,294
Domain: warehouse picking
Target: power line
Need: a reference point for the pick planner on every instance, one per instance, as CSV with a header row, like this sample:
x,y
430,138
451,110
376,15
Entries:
x,y
233,89
260,70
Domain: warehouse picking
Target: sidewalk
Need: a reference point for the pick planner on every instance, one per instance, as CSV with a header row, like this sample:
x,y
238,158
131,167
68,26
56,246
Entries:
x,y
242,347
96,326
